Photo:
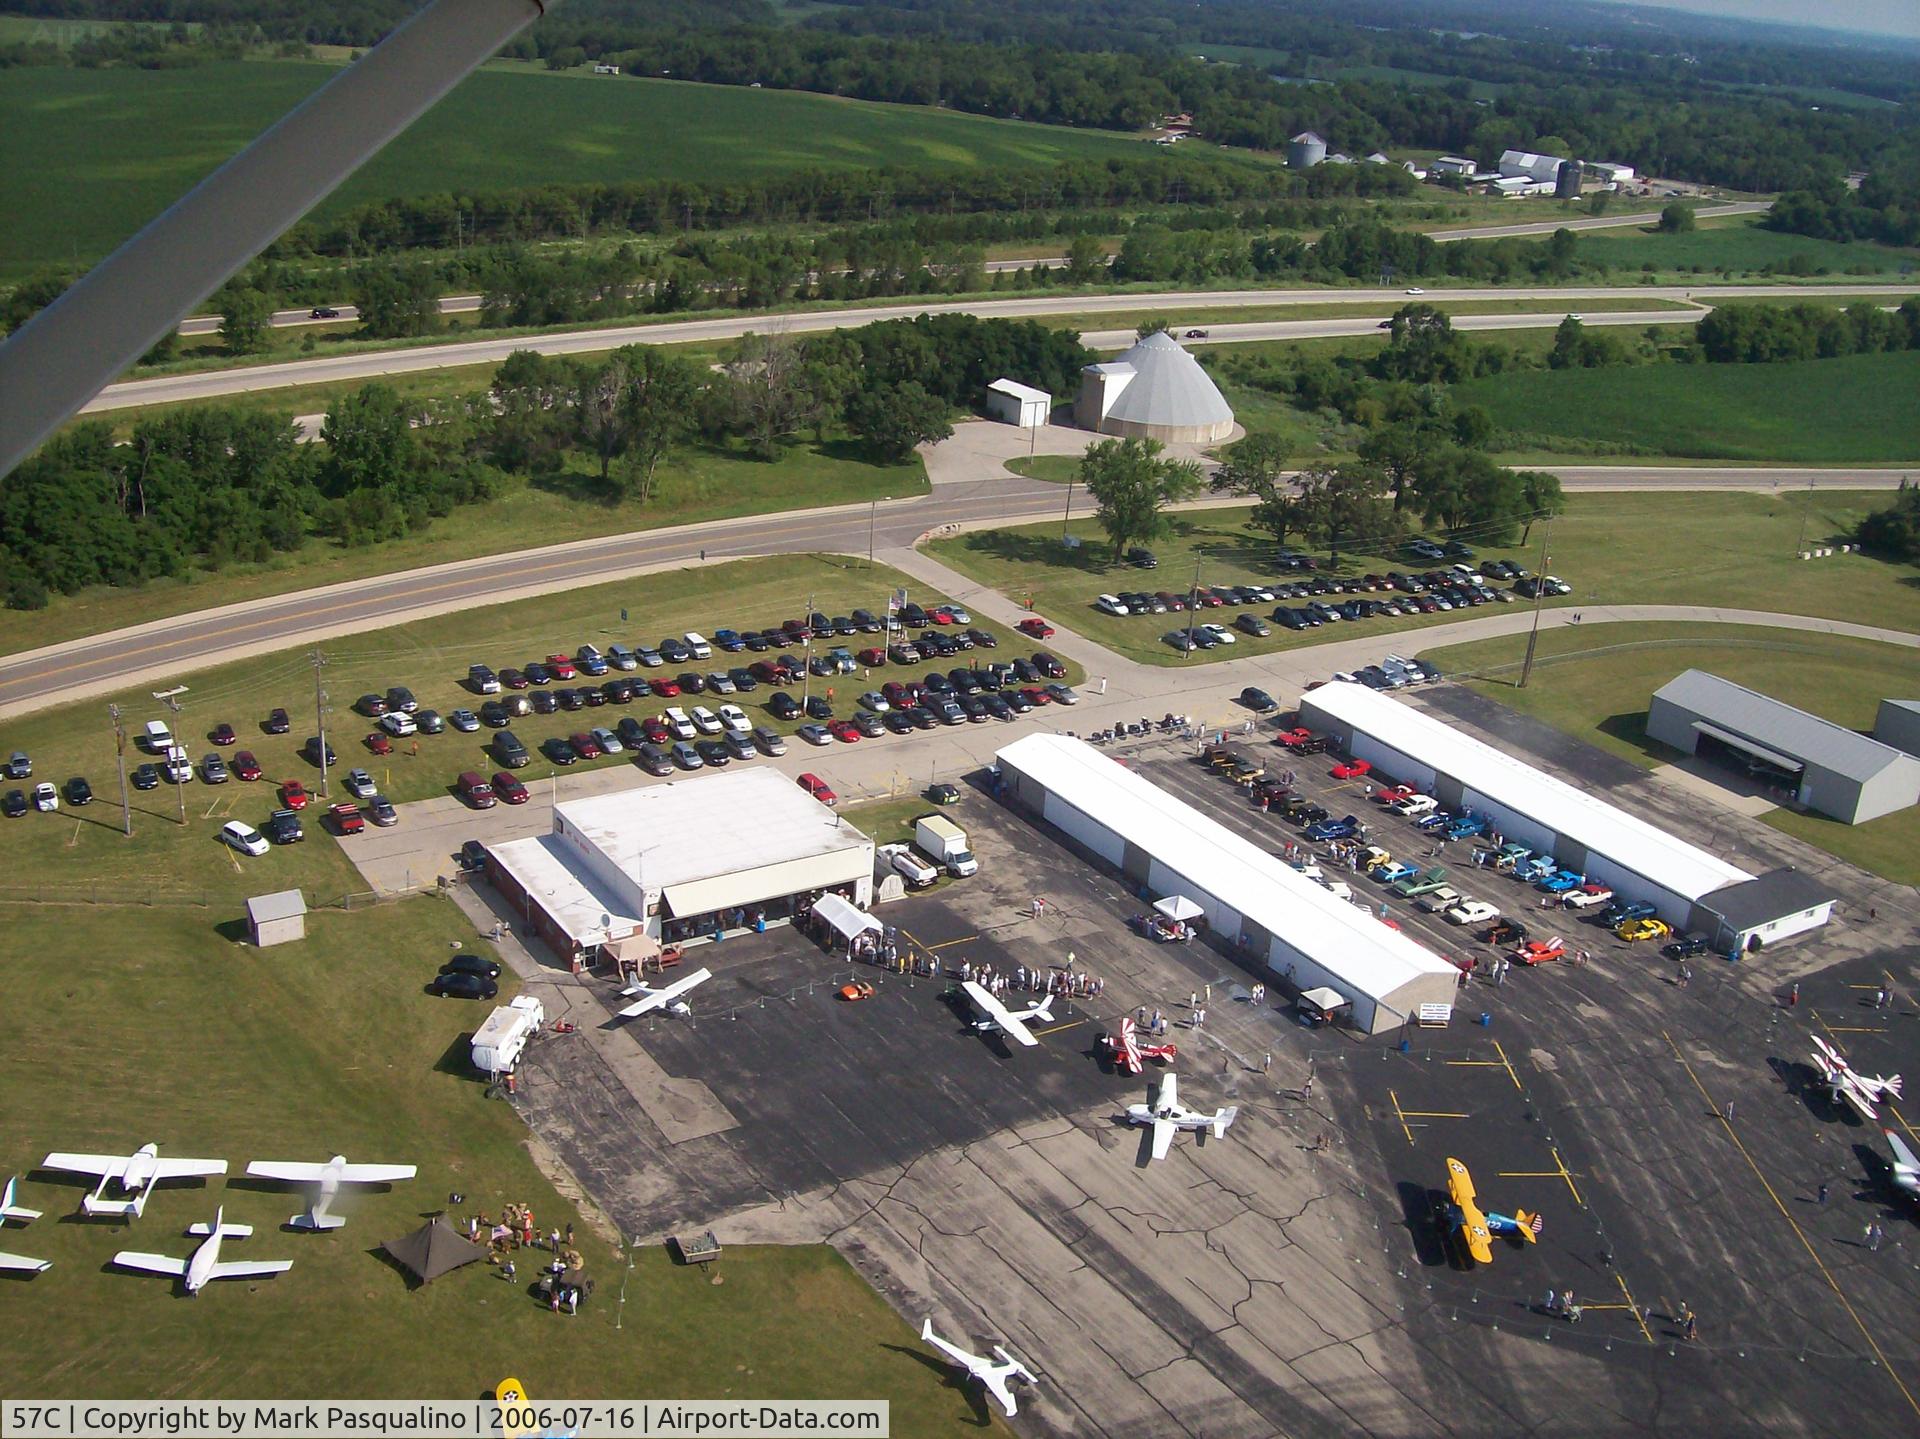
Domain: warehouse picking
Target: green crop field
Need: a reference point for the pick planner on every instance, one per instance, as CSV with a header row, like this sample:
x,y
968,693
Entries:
x,y
1739,246
1858,409
1593,682
94,154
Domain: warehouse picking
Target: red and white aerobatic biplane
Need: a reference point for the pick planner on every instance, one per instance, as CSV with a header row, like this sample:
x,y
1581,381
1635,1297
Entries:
x,y
1130,1054
1862,1091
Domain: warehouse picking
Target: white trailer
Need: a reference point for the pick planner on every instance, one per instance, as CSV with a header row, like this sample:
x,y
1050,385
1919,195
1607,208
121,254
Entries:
x,y
499,1043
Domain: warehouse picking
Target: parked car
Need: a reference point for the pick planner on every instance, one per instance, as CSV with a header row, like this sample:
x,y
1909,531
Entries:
x,y
1471,911
482,680
559,752
378,743
146,776
284,827
19,766
398,723
1352,769
46,798
818,788
381,811
347,818
1620,911
277,722
814,734
1037,627
510,750
243,837
1587,896
1687,945
1635,930
653,759
460,985
213,770
686,756
223,734
464,720
1258,700
14,805
476,791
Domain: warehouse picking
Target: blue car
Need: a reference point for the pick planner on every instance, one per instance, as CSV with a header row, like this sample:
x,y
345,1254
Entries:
x,y
1465,825
1332,828
1561,881
729,640
1531,871
1439,819
1619,913
1393,872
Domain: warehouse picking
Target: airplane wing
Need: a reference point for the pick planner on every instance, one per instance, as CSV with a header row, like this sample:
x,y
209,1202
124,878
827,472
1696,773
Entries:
x,y
1474,1235
1459,1184
151,1263
998,1013
20,1264
104,1166
287,1171
1169,1094
1861,1105
377,1173
952,1351
187,1168
996,1384
248,1268
1904,1157
1163,1132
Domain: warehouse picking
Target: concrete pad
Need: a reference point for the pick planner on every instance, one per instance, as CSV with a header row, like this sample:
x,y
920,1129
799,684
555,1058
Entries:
x,y
1718,785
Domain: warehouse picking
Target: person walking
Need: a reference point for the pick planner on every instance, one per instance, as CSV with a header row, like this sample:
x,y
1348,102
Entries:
x,y
1823,1192
506,1270
1874,1234
1266,1062
1793,995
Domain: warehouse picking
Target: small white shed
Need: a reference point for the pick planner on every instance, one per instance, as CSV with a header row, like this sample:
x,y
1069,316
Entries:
x,y
277,918
1013,403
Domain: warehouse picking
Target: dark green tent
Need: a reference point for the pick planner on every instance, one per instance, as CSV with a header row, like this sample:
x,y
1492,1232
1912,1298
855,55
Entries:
x,y
432,1250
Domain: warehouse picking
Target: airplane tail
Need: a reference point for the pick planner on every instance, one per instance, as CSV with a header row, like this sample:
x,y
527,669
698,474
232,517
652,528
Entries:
x,y
312,1219
1890,1085
10,1210
1529,1225
926,1329
220,1227
97,1208
1222,1118
1042,1010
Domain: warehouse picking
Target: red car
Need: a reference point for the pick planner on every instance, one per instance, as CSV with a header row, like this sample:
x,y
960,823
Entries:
x,y
940,615
245,765
1294,738
1540,951
665,689
513,679
817,787
509,789
656,730
223,734
1383,795
585,745
844,731
561,666
1352,769
1036,696
873,658
347,818
294,795
1036,627
379,743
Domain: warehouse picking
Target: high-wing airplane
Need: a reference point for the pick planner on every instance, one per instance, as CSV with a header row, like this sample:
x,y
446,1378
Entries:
x,y
995,1378
1844,1083
1168,1115
995,1015
1906,1167
205,1264
1476,1227
136,1174
1130,1054
18,1263
326,1180
666,996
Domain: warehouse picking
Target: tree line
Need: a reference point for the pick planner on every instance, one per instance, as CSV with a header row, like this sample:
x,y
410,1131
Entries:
x,y
1885,208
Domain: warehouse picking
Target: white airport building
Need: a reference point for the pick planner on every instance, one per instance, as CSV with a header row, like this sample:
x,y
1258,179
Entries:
x,y
680,862
1254,903
1690,888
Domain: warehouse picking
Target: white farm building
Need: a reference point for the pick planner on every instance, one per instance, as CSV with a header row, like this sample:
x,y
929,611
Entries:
x,y
1154,391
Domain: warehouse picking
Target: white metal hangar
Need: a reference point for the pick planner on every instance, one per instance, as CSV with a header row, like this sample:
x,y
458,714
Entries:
x,y
1825,766
1252,901
679,862
1154,391
1581,831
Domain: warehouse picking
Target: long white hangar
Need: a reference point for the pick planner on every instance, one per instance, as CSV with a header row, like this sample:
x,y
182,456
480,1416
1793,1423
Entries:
x,y
1305,933
1690,887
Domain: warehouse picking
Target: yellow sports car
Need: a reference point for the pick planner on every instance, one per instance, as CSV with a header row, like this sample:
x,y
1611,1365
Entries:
x,y
1634,930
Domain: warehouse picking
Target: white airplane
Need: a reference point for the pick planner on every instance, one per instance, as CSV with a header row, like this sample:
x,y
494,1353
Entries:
x,y
1906,1166
206,1264
137,1173
1167,1115
18,1263
327,1179
995,1015
1843,1082
666,996
993,1377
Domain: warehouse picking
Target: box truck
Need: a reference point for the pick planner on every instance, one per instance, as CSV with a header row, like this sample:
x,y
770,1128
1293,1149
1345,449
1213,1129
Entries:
x,y
499,1043
945,843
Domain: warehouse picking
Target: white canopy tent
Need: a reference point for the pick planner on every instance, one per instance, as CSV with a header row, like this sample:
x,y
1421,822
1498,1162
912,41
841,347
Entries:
x,y
1178,907
845,919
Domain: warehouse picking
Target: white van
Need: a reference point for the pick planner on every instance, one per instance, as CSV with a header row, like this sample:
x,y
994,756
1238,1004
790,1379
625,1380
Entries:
x,y
678,724
158,737
698,644
499,1043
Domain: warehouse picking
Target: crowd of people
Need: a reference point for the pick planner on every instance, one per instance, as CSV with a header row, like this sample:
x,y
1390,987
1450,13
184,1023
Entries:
x,y
562,1283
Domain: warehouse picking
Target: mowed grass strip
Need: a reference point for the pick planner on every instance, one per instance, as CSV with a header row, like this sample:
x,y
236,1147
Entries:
x,y
1720,548
1857,409
1595,682
156,1024
1739,245
82,854
111,148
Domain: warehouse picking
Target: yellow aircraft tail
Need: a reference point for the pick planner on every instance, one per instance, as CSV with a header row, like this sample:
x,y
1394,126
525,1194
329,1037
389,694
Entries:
x,y
1530,1225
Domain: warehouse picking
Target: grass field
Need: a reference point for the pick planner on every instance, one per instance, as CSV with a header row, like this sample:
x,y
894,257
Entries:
x,y
698,484
430,657
1858,409
113,147
1593,682
1739,246
1723,549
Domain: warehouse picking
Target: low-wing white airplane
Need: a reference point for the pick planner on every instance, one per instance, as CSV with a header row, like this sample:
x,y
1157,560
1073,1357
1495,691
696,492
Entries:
x,y
1167,1114
666,996
1863,1092
18,1263
136,1174
995,1378
995,1015
326,1180
1906,1166
205,1263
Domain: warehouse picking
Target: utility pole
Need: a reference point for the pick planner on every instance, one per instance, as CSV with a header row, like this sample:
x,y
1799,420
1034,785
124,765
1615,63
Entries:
x,y
1806,512
873,514
320,716
1539,598
1069,514
120,756
806,663
1192,595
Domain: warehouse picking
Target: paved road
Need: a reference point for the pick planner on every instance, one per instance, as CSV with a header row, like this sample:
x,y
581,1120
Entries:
x,y
463,304
373,363
100,663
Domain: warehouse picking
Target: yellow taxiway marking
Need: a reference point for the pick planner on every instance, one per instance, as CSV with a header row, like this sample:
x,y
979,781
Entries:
x,y
1638,1318
1836,1030
1403,1115
1501,1063
1793,1224
1901,1120
1070,1024
1560,1173
945,944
